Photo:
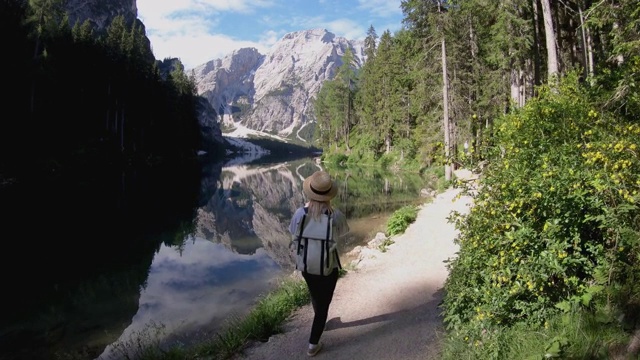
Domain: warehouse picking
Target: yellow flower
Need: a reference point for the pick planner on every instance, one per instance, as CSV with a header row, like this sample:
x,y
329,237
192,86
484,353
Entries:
x,y
619,147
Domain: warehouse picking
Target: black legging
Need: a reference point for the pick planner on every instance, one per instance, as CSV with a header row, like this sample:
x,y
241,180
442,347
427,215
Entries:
x,y
321,290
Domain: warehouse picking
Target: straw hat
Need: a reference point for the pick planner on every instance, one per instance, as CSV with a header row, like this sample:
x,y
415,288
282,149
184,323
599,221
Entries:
x,y
319,186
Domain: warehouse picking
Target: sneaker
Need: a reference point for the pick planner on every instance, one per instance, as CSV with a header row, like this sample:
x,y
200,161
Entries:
x,y
314,349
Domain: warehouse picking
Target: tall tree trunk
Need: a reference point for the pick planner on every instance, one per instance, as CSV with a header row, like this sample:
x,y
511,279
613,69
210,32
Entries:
x,y
516,84
529,89
585,47
348,122
474,133
619,57
550,37
36,62
445,116
122,147
590,53
536,42
387,143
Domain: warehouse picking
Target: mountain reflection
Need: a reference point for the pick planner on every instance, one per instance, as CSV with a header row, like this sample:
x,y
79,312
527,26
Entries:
x,y
168,254
197,288
251,209
238,249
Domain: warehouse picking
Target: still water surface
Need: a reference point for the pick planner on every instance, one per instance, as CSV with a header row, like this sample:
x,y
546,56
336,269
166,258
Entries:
x,y
167,255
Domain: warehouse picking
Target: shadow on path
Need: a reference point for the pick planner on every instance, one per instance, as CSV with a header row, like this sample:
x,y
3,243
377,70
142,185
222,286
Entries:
x,y
337,323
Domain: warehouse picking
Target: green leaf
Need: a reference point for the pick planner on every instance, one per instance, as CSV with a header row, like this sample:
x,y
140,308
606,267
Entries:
x,y
554,350
564,306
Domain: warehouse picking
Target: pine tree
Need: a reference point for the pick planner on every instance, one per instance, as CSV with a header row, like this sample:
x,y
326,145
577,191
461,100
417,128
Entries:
x,y
44,17
367,96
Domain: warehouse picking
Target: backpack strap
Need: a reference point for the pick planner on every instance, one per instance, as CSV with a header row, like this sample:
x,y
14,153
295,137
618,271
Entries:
x,y
304,217
300,233
324,259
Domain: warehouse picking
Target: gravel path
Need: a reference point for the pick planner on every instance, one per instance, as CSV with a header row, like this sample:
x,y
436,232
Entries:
x,y
386,308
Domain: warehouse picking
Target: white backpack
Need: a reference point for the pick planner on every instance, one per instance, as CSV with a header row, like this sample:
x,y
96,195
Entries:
x,y
315,250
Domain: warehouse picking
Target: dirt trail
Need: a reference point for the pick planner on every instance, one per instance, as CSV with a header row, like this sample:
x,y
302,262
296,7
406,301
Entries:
x,y
387,308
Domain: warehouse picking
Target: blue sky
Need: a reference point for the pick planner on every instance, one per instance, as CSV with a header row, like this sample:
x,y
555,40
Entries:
x,y
197,31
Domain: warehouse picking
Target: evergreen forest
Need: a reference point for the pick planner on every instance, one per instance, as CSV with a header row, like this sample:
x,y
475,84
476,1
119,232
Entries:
x,y
541,98
78,98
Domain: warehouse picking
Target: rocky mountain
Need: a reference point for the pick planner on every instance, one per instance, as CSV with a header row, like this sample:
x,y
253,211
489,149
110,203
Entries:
x,y
266,93
271,92
101,13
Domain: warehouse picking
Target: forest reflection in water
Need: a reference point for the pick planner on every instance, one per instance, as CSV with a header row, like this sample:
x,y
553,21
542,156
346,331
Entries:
x,y
183,273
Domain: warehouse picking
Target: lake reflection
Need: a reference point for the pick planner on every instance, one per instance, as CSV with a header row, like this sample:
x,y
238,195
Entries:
x,y
165,250
198,287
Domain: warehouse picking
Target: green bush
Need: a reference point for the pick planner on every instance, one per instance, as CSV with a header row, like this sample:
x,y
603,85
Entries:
x,y
401,219
386,160
335,158
555,222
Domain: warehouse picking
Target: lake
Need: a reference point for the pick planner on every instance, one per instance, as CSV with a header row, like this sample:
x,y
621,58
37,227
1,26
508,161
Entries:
x,y
167,254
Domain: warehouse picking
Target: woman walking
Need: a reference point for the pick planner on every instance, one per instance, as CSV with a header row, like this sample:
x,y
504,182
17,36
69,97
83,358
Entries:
x,y
319,189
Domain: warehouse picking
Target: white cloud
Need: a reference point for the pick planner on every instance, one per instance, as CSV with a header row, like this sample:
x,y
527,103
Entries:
x,y
183,29
239,5
196,49
382,8
189,29
242,6
269,38
347,28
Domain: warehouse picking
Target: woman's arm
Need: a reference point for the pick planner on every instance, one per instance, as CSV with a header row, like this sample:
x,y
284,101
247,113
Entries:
x,y
341,227
295,220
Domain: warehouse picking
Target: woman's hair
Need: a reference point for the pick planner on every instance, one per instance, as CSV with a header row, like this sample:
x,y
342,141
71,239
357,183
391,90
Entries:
x,y
317,208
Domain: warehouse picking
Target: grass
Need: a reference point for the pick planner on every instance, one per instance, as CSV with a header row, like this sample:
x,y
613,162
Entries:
x,y
385,245
573,335
401,219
